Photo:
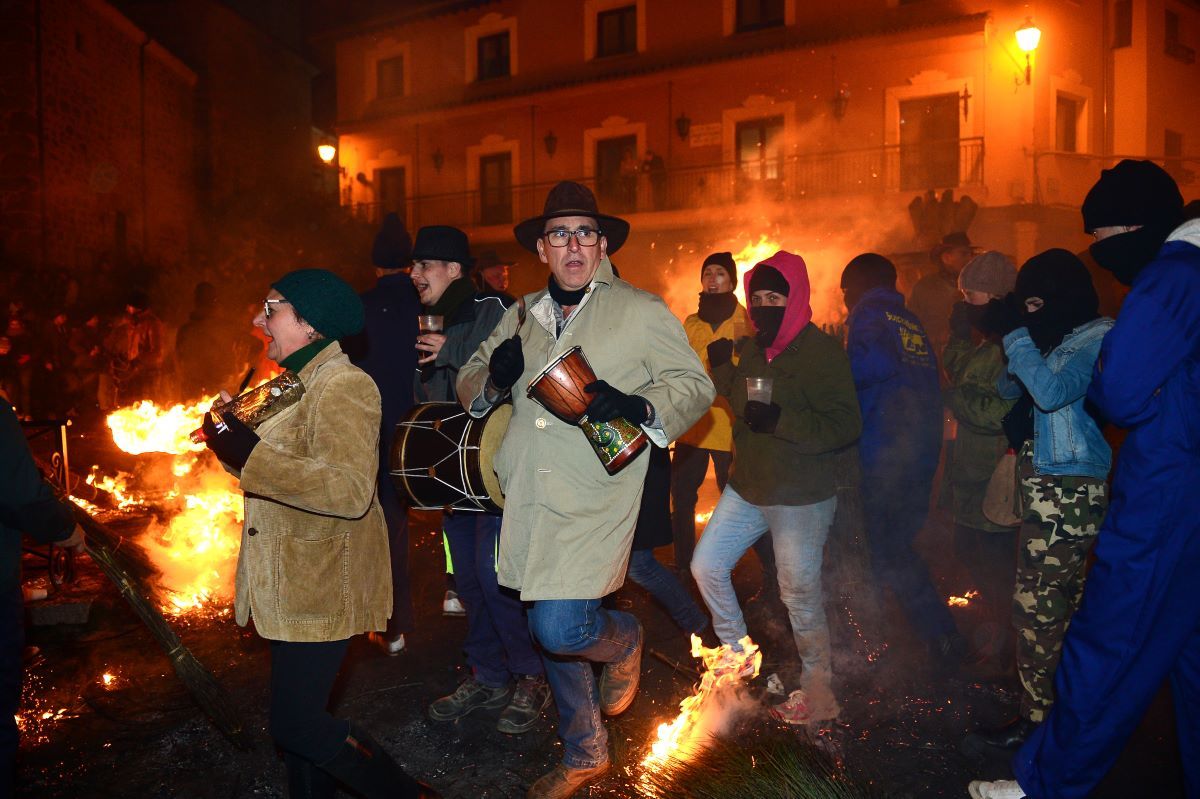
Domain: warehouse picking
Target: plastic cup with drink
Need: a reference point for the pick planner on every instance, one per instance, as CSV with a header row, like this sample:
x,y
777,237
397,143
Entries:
x,y
758,389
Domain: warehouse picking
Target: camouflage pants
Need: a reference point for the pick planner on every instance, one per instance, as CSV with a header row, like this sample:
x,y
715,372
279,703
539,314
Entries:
x,y
1062,516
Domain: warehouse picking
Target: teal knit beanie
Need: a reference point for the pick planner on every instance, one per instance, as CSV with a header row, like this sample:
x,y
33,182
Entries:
x,y
324,300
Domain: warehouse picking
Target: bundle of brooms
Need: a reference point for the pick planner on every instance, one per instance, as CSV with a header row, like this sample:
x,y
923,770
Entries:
x,y
132,571
765,761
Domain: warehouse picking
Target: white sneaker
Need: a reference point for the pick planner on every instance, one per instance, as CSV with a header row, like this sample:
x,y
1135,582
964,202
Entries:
x,y
392,647
1000,789
451,606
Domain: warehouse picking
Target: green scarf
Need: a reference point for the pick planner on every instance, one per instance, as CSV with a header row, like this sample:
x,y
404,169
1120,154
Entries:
x,y
458,292
300,358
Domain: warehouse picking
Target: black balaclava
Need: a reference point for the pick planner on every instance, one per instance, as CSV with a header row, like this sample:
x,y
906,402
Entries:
x,y
865,272
716,308
1132,193
1069,297
767,318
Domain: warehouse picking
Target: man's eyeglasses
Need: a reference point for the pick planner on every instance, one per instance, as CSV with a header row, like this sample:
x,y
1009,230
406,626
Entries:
x,y
560,237
267,307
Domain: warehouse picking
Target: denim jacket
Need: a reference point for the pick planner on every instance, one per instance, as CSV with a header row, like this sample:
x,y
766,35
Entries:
x,y
1066,439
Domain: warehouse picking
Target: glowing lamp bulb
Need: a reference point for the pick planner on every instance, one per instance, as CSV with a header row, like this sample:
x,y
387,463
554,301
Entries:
x,y
1029,36
328,151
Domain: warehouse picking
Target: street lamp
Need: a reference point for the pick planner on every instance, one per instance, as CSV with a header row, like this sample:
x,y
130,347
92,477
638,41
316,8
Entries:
x,y
1028,38
326,152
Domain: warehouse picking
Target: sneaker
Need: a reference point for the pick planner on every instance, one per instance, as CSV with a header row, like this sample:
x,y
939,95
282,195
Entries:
x,y
564,781
1000,789
530,698
390,646
794,709
452,605
470,695
619,681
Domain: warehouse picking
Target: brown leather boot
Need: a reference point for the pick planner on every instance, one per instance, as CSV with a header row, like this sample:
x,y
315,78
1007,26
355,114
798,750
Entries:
x,y
619,681
564,781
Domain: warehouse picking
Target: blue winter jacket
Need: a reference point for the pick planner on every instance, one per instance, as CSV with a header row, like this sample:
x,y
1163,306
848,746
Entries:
x,y
896,377
1066,438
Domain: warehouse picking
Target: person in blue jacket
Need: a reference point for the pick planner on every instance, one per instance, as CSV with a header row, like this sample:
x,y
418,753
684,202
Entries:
x,y
896,377
1139,622
27,505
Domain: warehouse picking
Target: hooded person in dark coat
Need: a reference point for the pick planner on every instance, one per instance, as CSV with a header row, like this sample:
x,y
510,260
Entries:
x,y
382,351
896,377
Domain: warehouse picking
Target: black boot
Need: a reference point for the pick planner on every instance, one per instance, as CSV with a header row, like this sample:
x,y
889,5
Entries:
x,y
1010,736
307,780
366,767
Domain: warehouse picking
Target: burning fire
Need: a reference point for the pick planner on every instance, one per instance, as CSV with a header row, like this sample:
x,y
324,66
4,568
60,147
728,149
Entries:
x,y
196,550
702,518
748,257
962,601
698,718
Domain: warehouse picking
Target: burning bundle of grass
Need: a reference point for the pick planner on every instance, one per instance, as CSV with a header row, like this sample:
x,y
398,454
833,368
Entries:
x,y
765,762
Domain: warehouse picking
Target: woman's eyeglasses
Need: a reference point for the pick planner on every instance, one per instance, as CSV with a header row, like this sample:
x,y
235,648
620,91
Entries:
x,y
267,307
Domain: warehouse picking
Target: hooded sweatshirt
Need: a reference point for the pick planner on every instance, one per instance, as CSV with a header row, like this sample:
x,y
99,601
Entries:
x,y
814,389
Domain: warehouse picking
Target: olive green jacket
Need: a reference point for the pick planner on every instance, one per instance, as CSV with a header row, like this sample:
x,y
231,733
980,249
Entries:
x,y
314,562
972,370
568,524
814,388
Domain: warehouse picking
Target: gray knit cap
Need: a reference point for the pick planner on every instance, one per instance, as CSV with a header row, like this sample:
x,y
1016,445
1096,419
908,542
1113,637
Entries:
x,y
990,272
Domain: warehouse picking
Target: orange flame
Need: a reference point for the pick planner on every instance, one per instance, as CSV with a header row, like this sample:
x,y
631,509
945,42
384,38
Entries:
x,y
962,601
724,668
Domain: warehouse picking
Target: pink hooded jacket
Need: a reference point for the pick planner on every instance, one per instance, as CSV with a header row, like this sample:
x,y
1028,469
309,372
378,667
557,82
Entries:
x,y
798,312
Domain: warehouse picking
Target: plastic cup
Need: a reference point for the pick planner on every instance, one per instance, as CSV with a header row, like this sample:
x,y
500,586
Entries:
x,y
430,323
758,389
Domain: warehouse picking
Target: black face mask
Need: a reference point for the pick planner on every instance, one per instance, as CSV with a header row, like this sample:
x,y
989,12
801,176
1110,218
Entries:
x,y
767,321
716,308
1126,254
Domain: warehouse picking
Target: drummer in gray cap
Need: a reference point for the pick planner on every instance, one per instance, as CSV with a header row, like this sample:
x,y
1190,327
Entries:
x,y
568,522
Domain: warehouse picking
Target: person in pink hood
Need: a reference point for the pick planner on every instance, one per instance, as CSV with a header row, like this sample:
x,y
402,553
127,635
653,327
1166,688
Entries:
x,y
782,480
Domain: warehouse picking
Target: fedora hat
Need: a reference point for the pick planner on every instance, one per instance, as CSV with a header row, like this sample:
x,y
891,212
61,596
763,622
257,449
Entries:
x,y
951,240
571,199
442,243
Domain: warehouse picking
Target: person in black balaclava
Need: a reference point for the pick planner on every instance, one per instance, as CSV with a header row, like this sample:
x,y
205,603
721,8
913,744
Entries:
x,y
1131,210
1052,335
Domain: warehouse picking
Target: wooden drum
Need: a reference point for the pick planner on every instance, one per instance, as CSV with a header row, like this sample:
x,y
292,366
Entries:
x,y
441,458
559,389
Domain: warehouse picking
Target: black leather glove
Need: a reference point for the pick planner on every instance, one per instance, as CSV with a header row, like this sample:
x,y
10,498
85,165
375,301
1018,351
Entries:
x,y
720,352
507,363
960,321
761,417
1004,316
233,444
610,403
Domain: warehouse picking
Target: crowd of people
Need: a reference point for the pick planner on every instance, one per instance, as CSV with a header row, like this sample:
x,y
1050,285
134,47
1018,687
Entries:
x,y
1005,378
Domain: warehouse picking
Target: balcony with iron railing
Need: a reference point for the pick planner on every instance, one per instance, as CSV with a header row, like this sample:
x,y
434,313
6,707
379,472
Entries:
x,y
889,169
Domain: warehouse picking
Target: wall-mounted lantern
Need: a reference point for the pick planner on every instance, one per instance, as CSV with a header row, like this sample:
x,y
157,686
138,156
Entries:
x,y
1028,38
683,126
841,100
438,159
551,142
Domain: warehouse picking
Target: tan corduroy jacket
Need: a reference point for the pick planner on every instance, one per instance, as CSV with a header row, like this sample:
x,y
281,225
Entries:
x,y
314,562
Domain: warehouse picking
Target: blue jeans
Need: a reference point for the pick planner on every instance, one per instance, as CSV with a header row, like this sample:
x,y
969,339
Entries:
x,y
498,644
798,533
574,633
664,586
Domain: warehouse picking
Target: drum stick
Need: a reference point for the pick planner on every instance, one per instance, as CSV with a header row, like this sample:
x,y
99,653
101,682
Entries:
x,y
245,381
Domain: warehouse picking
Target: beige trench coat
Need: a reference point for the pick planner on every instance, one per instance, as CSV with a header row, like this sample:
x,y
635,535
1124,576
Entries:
x,y
314,562
568,524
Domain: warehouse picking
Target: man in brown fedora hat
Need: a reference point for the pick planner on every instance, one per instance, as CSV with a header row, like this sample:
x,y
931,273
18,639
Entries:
x,y
934,295
568,523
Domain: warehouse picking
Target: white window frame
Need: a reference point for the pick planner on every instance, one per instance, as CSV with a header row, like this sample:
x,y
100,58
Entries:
x,y
611,128
385,49
729,16
755,107
495,144
489,25
390,159
1082,95
591,14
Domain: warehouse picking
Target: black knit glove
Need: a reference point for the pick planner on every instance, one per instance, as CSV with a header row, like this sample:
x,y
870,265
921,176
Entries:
x,y
507,363
233,443
1004,316
761,417
960,321
610,403
720,352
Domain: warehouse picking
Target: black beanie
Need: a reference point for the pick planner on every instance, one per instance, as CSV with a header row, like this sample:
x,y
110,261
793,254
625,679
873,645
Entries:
x,y
725,261
767,278
392,248
1133,193
868,271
